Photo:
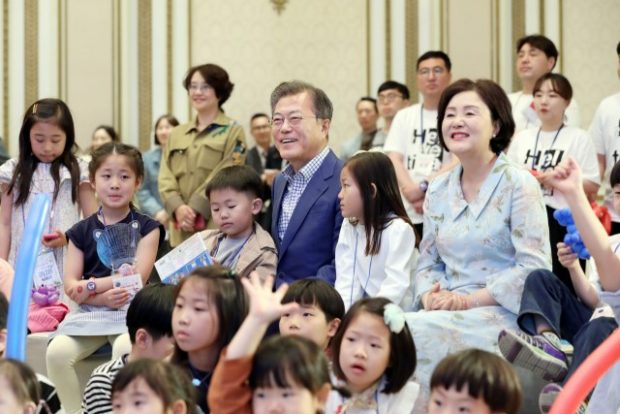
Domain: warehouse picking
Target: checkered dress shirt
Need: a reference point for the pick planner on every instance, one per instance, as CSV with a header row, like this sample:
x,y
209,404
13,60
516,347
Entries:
x,y
296,184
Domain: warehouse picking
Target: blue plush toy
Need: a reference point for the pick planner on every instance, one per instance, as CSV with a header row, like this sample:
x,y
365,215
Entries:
x,y
572,238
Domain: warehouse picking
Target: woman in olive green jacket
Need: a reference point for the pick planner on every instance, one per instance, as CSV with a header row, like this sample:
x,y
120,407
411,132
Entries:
x,y
198,150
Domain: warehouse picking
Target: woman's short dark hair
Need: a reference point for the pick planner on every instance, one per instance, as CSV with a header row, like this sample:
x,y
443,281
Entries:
x,y
168,382
402,361
496,101
559,84
109,129
171,120
484,375
216,77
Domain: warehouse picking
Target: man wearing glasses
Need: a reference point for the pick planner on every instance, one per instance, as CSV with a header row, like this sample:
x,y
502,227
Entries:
x,y
306,216
413,144
392,96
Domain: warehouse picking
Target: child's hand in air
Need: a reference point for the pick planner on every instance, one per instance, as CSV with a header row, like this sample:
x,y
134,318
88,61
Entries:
x,y
265,305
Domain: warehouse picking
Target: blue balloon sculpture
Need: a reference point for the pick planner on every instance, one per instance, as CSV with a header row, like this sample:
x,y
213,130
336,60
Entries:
x,y
572,238
17,323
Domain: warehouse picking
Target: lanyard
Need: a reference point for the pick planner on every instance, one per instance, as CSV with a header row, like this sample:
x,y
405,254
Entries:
x,y
355,269
231,260
422,131
100,212
550,147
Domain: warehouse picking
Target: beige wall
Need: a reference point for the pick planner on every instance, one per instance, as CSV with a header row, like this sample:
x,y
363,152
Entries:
x,y
91,48
591,35
320,41
88,75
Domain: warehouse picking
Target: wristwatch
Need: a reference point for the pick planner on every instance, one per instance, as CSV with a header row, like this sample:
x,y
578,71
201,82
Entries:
x,y
91,286
423,185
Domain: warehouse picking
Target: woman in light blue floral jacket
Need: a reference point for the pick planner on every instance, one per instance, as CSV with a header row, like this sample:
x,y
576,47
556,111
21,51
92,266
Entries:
x,y
485,230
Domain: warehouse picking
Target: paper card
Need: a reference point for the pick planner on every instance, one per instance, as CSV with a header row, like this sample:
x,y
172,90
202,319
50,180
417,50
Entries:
x,y
46,271
131,283
183,259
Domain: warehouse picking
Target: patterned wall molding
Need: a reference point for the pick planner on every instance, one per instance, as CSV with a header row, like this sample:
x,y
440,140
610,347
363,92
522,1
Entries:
x,y
117,65
145,72
5,74
31,50
388,39
412,48
169,91
518,31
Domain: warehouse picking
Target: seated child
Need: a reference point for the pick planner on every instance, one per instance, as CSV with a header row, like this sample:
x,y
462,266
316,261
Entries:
x,y
47,389
374,357
284,373
319,313
239,243
474,381
210,306
149,322
153,387
566,179
20,389
550,311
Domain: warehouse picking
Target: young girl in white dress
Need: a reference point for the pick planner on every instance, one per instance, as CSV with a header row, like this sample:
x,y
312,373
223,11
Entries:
x,y
46,164
376,253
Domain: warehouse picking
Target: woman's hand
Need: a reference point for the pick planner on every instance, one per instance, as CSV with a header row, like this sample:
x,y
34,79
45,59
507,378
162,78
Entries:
x,y
115,298
54,239
266,305
446,300
185,217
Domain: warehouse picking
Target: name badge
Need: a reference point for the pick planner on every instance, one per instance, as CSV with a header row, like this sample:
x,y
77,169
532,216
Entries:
x,y
46,271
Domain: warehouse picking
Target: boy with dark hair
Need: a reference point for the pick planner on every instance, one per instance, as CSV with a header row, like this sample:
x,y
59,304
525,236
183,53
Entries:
x,y
149,322
239,243
536,56
474,381
319,313
48,389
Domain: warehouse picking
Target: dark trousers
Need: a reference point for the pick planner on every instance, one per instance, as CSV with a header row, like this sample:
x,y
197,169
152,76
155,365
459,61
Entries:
x,y
545,296
556,235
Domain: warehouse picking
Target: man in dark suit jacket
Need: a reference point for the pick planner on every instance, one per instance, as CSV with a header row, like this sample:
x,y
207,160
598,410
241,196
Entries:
x,y
265,159
306,210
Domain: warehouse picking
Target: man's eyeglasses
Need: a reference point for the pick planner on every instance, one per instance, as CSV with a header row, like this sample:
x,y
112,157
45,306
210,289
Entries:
x,y
195,87
437,71
389,97
294,120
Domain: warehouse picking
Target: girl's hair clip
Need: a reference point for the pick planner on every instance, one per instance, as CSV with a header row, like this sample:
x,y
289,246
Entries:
x,y
34,108
394,317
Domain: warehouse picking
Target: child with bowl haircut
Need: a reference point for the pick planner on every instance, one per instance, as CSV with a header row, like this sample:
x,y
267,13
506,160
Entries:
x,y
239,242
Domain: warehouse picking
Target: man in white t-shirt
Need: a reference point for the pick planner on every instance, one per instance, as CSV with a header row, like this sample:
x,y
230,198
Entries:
x,y
536,56
413,143
605,134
